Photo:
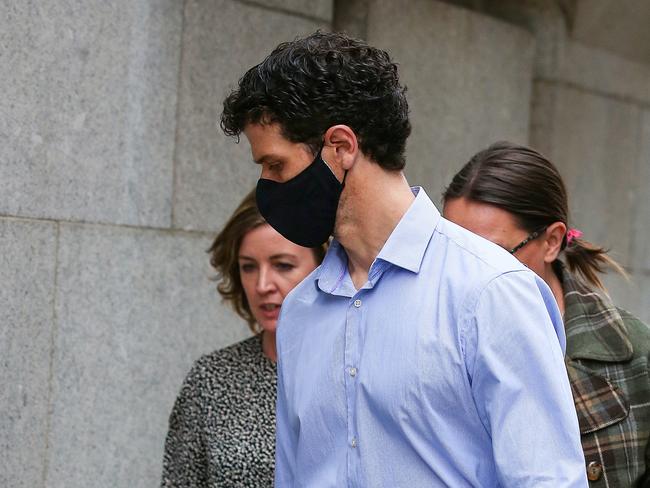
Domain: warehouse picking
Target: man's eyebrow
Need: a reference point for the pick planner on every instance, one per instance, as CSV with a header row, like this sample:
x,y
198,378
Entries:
x,y
267,157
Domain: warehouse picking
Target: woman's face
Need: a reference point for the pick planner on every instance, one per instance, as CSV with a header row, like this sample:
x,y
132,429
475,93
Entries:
x,y
270,266
499,226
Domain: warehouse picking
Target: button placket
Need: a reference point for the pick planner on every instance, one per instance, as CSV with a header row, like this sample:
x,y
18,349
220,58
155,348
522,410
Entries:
x,y
354,323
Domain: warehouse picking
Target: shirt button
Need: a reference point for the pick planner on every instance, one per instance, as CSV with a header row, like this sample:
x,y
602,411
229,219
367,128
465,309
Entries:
x,y
357,303
594,471
353,442
353,372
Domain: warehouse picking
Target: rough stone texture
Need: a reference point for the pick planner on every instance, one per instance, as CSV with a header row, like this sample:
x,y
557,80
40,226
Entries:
x,y
642,283
594,141
602,71
212,172
88,109
633,294
351,17
620,27
546,20
27,269
135,308
559,57
89,99
641,243
319,9
468,78
587,115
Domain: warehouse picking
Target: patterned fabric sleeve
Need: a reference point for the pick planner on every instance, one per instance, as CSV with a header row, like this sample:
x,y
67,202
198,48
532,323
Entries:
x,y
185,461
645,481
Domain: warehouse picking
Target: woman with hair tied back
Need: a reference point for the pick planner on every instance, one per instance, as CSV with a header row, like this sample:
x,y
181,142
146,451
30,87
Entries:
x,y
515,197
222,426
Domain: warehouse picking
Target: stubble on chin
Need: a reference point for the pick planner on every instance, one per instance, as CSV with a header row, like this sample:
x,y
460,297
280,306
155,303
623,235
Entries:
x,y
343,224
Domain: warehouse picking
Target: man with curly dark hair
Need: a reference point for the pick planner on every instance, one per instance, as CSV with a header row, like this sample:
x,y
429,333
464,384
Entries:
x,y
418,354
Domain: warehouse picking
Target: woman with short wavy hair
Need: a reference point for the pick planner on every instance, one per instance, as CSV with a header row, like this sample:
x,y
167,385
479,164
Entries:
x,y
222,426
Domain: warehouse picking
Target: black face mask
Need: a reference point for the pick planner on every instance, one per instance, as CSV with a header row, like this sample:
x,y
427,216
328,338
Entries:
x,y
302,209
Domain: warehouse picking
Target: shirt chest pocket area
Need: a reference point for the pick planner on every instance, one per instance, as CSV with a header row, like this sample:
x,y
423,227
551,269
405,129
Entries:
x,y
407,368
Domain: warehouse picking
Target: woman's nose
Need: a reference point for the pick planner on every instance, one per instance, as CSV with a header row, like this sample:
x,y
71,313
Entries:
x,y
265,282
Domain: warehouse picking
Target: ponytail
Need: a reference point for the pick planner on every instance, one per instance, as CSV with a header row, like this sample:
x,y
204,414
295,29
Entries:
x,y
590,260
526,184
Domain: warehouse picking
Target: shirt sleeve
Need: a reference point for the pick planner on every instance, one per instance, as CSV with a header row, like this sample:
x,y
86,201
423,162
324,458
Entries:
x,y
286,437
185,459
514,358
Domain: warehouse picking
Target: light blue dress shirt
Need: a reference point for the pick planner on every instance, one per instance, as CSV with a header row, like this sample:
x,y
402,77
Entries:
x,y
444,369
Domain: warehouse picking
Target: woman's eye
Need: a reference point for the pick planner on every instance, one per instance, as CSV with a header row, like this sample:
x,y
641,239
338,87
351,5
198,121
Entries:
x,y
246,267
284,266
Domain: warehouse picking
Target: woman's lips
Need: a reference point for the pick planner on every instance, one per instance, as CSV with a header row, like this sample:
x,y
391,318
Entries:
x,y
270,311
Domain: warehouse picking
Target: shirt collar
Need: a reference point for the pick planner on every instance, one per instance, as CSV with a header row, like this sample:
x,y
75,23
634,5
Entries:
x,y
333,269
593,324
408,242
405,246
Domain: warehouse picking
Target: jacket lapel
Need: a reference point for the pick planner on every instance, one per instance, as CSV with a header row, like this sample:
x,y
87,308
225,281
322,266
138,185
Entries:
x,y
595,331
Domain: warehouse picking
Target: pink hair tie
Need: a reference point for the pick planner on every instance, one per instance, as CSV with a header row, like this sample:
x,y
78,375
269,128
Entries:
x,y
573,234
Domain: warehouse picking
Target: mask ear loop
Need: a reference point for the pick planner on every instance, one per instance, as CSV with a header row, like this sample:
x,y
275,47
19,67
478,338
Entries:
x,y
320,153
345,175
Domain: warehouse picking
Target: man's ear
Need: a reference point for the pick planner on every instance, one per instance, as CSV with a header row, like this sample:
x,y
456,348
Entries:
x,y
341,147
553,237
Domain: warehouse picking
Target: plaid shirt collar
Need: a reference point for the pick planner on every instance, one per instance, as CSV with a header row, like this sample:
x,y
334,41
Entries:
x,y
594,327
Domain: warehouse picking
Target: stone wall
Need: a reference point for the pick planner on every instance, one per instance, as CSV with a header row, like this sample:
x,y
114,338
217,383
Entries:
x,y
115,176
468,80
569,77
591,114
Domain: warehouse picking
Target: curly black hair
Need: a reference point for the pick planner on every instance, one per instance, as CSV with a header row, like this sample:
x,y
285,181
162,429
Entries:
x,y
312,83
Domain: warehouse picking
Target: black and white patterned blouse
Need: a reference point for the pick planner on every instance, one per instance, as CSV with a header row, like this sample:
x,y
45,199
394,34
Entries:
x,y
222,427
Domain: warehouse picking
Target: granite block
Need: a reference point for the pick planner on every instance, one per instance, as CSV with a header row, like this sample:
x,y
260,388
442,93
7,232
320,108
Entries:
x,y
593,141
351,17
212,172
89,104
641,202
135,308
469,82
318,9
572,48
602,71
631,294
618,27
27,271
642,309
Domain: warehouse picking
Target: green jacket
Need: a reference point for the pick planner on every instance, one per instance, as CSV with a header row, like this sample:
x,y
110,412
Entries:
x,y
607,357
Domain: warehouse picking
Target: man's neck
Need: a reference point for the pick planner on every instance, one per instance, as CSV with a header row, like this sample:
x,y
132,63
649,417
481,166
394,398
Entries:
x,y
368,216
